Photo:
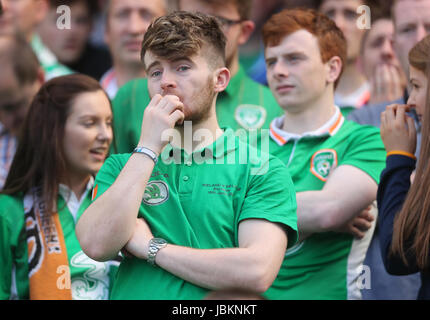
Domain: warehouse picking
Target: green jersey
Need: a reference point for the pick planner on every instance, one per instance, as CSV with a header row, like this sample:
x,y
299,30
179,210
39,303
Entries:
x,y
325,265
244,104
198,201
48,61
89,279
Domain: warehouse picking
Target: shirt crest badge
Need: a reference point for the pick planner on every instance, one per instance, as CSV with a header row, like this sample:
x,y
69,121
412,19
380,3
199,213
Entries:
x,y
156,193
322,162
250,116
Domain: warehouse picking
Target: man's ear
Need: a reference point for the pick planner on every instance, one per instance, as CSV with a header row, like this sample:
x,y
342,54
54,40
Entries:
x,y
334,69
221,79
247,28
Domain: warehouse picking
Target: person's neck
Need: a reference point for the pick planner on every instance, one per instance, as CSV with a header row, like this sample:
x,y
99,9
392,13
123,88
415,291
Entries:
x,y
78,184
310,116
351,80
209,131
126,73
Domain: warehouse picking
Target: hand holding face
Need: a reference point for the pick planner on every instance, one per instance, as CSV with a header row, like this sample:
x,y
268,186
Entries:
x,y
161,114
398,129
387,84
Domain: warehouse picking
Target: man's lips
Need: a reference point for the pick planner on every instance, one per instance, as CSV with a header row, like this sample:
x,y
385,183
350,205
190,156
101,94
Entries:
x,y
284,88
133,45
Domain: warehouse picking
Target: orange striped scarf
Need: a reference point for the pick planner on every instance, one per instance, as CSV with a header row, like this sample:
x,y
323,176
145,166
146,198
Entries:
x,y
47,255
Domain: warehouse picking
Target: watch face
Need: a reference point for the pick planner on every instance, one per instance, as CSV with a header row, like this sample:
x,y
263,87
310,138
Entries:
x,y
159,241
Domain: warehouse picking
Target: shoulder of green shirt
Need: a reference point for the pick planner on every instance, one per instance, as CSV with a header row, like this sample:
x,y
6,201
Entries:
x,y
11,208
365,149
361,129
130,91
346,110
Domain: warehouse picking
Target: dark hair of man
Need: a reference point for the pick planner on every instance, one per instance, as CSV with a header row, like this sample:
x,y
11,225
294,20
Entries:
x,y
183,34
39,160
90,4
331,40
244,7
21,57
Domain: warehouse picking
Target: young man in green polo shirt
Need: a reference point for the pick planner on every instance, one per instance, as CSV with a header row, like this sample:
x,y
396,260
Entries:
x,y
220,217
244,104
335,164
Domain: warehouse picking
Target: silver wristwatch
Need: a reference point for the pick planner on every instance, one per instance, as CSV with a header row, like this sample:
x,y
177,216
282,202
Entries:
x,y
155,245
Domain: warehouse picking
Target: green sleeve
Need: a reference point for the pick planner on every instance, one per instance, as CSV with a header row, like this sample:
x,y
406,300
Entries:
x,y
366,151
13,248
271,196
5,258
128,107
108,173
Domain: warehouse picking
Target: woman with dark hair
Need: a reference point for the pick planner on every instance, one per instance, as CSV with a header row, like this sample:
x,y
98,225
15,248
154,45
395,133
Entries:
x,y
404,207
64,142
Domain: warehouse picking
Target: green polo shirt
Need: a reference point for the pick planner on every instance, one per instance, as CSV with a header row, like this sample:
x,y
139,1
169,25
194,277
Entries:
x,y
48,60
244,104
198,201
90,280
325,265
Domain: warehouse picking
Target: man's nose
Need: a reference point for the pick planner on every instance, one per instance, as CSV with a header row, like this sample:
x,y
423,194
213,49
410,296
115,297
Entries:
x,y
387,50
136,24
168,82
280,70
421,32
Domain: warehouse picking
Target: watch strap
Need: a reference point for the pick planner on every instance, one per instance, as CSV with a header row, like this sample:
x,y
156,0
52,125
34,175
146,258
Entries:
x,y
155,245
151,154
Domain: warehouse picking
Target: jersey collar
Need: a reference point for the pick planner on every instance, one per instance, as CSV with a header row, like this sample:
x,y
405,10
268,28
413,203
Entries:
x,y
67,193
225,144
330,128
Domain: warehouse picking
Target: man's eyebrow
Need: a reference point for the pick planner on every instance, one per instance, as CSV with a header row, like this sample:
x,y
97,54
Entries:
x,y
407,25
153,64
157,62
289,54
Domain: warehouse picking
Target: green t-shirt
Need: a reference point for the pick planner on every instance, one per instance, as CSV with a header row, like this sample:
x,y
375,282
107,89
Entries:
x,y
244,104
198,201
89,279
48,61
325,265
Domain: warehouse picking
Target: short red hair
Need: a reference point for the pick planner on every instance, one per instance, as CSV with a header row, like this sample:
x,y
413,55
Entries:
x,y
331,40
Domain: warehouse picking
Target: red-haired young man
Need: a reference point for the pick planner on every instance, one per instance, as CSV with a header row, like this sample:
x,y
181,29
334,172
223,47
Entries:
x,y
335,164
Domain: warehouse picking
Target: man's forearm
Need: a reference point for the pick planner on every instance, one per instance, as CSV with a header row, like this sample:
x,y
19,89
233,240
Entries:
x,y
319,212
216,269
108,223
251,267
347,192
311,208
